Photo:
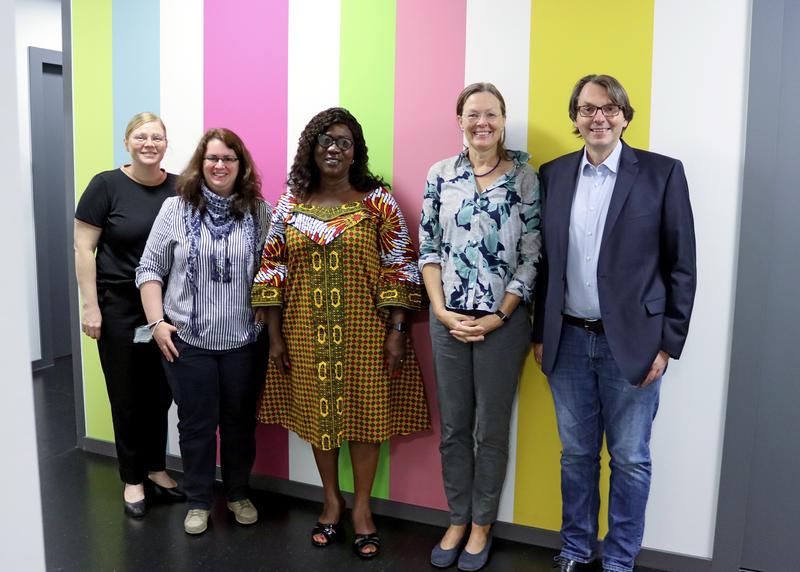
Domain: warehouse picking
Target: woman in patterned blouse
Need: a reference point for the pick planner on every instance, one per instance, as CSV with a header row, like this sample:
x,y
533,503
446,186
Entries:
x,y
479,243
337,276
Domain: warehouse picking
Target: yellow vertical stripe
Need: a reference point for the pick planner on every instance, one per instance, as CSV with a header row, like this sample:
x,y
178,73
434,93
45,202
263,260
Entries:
x,y
94,152
579,37
569,40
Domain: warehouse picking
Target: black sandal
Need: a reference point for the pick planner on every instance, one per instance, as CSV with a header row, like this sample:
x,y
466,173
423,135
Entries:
x,y
329,531
364,540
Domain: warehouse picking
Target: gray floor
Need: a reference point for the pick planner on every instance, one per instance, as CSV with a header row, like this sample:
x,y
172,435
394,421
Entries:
x,y
86,530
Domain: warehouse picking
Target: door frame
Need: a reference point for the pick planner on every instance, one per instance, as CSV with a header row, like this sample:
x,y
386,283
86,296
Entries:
x,y
38,58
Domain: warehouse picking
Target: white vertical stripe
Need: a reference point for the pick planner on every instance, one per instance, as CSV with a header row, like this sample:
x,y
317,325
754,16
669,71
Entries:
x,y
313,86
505,63
173,446
699,87
181,105
313,63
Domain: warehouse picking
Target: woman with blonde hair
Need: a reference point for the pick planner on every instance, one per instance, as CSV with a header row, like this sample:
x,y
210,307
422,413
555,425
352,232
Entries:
x,y
479,243
113,217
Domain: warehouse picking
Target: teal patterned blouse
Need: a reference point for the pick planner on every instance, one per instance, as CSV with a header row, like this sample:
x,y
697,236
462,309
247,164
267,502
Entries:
x,y
487,243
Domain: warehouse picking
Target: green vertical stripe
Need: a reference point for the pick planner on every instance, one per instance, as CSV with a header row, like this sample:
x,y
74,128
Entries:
x,y
94,152
380,488
366,80
366,88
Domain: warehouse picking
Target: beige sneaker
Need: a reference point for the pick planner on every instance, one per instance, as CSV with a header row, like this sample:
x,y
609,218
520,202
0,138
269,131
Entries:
x,y
196,521
244,510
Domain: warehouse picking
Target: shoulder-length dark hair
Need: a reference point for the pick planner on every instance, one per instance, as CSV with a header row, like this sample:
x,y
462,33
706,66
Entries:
x,y
246,188
303,177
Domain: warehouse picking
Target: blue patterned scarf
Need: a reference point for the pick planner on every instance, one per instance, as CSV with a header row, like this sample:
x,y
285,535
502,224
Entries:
x,y
219,221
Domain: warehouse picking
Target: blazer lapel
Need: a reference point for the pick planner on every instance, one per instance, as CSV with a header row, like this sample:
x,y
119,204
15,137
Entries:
x,y
628,169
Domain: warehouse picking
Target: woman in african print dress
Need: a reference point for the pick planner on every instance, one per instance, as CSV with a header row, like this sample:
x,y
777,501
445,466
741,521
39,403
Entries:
x,y
337,277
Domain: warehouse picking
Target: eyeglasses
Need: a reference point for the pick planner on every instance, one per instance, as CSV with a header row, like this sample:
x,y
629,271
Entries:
x,y
225,159
326,141
142,139
609,110
474,117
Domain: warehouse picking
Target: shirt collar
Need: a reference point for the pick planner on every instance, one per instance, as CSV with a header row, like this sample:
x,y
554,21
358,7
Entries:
x,y
611,163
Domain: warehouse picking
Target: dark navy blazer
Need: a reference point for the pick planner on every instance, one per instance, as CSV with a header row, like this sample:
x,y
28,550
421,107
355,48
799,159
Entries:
x,y
646,274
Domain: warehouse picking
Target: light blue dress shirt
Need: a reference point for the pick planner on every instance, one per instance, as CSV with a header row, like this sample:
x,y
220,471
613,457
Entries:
x,y
587,221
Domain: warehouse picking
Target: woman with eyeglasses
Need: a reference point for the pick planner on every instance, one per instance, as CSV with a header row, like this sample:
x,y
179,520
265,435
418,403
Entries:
x,y
113,218
206,246
337,278
479,243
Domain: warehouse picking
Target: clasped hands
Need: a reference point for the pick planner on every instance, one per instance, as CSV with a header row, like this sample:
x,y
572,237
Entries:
x,y
468,329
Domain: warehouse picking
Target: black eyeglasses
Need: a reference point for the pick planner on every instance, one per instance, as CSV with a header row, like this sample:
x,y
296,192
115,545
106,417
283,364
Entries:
x,y
610,110
326,141
225,159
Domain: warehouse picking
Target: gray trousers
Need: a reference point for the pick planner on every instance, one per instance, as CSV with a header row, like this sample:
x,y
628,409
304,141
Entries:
x,y
475,384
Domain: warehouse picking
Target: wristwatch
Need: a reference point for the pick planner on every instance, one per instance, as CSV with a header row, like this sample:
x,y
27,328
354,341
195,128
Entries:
x,y
502,315
401,327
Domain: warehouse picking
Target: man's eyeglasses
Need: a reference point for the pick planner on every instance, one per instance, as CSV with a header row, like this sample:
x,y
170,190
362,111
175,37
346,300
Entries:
x,y
326,141
609,110
225,159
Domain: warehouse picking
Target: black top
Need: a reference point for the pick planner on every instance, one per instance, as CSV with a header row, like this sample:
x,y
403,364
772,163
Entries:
x,y
125,210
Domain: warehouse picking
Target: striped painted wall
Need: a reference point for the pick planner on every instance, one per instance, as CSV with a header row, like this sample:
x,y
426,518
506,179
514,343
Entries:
x,y
264,68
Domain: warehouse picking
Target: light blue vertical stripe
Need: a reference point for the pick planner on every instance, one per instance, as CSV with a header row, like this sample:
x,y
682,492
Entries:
x,y
136,47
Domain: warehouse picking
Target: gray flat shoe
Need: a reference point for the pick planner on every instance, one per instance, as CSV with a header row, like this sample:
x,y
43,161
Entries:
x,y
471,562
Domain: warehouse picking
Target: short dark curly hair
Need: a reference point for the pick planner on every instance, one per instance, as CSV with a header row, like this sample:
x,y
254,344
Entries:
x,y
303,177
246,189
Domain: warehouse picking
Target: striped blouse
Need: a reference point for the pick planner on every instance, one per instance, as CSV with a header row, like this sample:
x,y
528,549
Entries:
x,y
224,314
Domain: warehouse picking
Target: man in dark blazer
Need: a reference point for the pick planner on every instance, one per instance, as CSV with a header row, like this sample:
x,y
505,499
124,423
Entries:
x,y
613,302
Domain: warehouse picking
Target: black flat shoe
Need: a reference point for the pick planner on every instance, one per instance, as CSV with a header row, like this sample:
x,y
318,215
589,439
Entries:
x,y
135,509
166,494
364,540
329,531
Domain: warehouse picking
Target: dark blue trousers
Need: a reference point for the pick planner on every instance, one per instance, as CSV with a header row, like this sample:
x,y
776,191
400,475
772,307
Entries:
x,y
214,389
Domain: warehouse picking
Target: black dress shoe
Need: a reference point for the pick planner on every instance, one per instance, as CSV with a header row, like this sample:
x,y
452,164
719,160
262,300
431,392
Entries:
x,y
135,509
568,565
166,494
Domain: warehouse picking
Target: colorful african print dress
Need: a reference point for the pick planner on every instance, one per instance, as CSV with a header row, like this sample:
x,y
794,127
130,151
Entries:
x,y
336,271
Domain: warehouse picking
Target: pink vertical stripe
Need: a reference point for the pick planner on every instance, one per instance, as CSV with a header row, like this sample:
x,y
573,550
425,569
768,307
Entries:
x,y
245,81
246,75
272,451
429,74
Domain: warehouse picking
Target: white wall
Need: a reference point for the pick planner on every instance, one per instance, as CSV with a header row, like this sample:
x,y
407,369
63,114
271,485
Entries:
x,y
37,24
700,63
21,539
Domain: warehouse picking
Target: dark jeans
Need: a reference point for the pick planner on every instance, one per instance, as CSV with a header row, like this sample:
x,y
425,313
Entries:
x,y
217,389
592,398
137,389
